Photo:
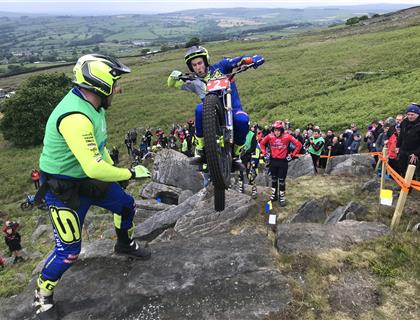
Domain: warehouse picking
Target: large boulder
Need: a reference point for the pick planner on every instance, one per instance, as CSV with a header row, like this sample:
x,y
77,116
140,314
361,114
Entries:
x,y
310,211
147,208
351,165
224,277
352,209
173,168
165,219
196,216
204,220
166,194
302,166
300,237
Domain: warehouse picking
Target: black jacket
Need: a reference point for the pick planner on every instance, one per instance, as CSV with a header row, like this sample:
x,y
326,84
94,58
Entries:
x,y
409,138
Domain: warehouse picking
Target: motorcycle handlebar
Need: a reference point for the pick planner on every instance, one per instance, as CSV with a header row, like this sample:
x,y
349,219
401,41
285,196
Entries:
x,y
190,76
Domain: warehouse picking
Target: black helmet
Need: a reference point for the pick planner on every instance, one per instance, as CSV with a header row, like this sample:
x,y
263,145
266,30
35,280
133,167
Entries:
x,y
196,52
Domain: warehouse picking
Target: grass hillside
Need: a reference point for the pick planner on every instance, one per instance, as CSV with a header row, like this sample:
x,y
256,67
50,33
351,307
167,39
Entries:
x,y
305,79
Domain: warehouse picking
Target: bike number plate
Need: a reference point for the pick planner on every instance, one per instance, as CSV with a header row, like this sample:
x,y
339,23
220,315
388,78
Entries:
x,y
217,84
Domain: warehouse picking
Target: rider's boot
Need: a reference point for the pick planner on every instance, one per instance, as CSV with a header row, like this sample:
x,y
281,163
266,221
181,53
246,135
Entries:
x,y
43,300
254,192
274,188
199,155
241,186
273,195
237,164
127,246
282,198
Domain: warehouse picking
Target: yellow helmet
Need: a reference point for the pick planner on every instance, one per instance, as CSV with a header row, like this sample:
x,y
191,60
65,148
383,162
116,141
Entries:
x,y
98,73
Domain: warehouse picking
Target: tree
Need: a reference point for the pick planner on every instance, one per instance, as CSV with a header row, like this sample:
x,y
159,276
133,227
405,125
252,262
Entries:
x,y
27,112
194,41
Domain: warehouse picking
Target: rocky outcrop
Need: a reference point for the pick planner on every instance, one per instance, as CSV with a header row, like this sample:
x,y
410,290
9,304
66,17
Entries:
x,y
147,208
351,165
155,190
173,168
196,216
300,237
224,277
302,166
352,210
310,211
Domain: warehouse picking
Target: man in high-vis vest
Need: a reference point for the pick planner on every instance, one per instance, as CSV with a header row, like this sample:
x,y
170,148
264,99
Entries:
x,y
315,148
77,172
250,158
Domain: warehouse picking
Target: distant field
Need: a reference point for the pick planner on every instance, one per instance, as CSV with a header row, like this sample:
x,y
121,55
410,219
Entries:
x,y
46,37
305,79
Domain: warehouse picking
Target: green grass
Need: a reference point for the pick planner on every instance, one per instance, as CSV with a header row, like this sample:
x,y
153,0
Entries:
x,y
305,79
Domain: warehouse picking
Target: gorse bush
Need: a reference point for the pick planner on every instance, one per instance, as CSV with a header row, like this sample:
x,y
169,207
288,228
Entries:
x,y
27,112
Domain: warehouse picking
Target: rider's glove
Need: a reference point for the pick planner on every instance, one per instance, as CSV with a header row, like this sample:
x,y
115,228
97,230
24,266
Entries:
x,y
245,61
139,172
175,74
173,79
257,60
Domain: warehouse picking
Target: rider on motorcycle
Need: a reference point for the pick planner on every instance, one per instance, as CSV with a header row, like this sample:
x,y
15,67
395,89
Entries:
x,y
198,62
279,141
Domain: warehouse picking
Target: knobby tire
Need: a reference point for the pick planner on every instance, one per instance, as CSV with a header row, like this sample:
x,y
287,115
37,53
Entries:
x,y
213,122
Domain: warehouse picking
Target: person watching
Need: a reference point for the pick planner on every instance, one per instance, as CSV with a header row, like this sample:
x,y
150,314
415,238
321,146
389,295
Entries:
x,y
279,142
77,172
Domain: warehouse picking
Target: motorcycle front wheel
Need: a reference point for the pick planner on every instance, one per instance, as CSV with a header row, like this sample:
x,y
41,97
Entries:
x,y
218,151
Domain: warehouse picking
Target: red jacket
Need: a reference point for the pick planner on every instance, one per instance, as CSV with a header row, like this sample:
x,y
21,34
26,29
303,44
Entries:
x,y
392,144
278,146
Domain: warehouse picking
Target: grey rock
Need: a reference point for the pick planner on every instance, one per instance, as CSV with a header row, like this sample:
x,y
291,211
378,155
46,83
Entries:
x,y
263,179
218,278
168,194
186,194
310,211
96,219
173,168
196,215
42,230
162,220
300,237
340,213
303,166
372,185
204,220
351,216
147,208
351,165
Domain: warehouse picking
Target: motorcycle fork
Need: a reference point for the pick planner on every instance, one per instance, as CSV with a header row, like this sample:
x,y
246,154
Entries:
x,y
229,115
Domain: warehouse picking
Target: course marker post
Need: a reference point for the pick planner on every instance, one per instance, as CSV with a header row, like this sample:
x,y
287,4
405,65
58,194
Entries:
x,y
328,159
403,197
383,172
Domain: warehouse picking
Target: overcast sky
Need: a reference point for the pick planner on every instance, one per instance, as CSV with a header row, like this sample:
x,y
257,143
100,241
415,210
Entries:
x,y
160,6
